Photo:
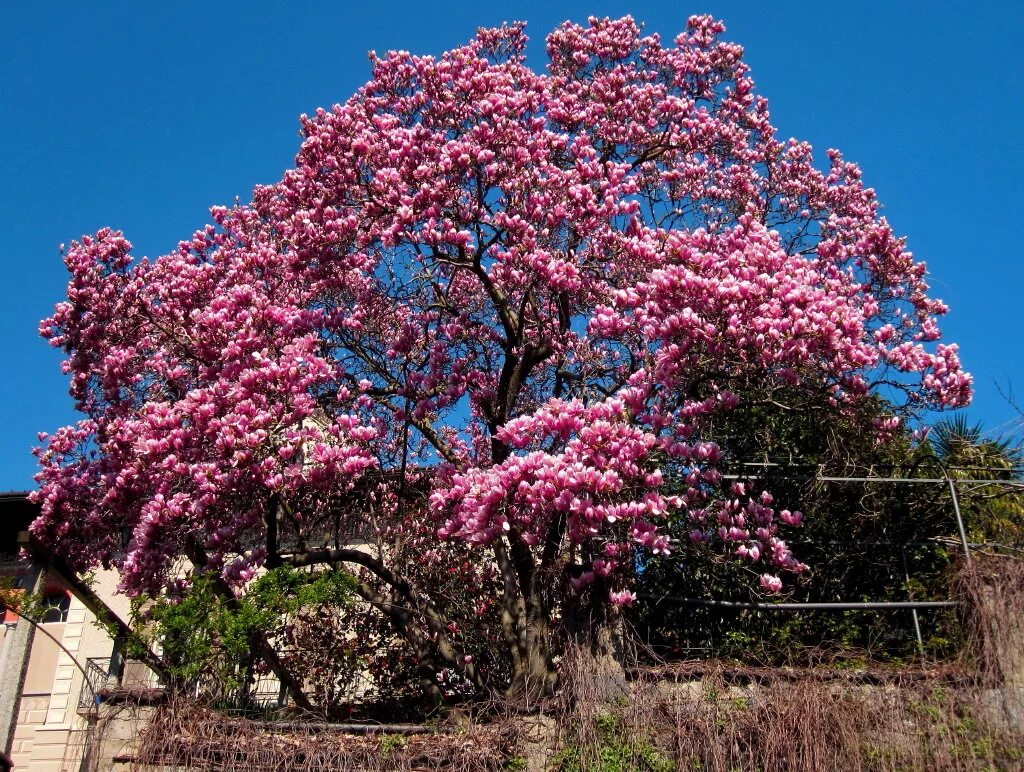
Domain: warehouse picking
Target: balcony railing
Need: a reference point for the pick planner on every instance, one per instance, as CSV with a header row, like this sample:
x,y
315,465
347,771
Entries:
x,y
97,676
99,679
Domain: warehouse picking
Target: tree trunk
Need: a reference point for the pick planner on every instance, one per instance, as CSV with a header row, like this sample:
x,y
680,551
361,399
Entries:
x,y
533,674
595,666
607,653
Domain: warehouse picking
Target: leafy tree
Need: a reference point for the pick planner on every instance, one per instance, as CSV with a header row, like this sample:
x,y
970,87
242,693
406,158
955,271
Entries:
x,y
209,643
859,539
862,540
992,513
491,316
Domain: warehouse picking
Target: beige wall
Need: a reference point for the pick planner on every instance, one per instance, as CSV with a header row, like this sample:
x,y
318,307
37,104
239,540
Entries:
x,y
51,730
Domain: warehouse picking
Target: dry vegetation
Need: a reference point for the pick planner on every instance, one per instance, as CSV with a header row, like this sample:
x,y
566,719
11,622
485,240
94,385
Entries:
x,y
829,721
184,735
706,716
991,591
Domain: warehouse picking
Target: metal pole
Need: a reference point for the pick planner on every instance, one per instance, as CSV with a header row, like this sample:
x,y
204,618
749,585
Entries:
x,y
913,611
792,465
837,606
830,478
959,519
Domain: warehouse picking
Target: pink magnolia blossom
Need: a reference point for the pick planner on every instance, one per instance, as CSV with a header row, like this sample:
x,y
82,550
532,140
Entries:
x,y
622,598
526,295
770,583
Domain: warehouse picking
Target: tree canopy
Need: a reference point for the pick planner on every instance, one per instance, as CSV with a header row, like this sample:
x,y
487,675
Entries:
x,y
489,320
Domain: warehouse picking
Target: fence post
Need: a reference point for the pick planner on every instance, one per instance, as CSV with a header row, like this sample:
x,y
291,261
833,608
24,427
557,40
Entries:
x,y
959,518
913,611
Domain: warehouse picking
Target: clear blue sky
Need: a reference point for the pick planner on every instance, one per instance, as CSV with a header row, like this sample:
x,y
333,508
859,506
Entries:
x,y
141,115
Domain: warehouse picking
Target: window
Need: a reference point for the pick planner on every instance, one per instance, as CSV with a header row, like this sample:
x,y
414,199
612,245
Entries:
x,y
55,608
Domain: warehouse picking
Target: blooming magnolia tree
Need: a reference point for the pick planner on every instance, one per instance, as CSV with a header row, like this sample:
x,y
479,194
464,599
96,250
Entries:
x,y
487,307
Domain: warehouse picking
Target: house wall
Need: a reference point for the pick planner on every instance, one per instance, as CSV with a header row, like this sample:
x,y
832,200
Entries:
x,y
51,731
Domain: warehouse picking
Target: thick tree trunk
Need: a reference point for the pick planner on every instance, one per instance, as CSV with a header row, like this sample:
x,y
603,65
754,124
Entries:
x,y
596,634
607,654
534,676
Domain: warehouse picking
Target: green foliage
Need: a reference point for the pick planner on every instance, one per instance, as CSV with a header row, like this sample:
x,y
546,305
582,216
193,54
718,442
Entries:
x,y
862,540
390,743
10,598
991,514
616,750
207,640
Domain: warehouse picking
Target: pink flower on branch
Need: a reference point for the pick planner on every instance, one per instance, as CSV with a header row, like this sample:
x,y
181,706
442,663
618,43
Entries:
x,y
489,308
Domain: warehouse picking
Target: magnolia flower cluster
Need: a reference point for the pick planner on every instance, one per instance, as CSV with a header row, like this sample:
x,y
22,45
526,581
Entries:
x,y
536,291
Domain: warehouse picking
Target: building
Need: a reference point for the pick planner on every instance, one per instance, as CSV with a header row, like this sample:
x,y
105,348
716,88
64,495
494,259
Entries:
x,y
51,670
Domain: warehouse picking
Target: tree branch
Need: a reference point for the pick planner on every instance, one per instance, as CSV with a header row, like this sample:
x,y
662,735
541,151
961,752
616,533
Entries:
x,y
197,555
421,605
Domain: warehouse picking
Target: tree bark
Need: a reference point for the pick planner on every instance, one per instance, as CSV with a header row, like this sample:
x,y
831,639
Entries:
x,y
533,673
412,599
597,633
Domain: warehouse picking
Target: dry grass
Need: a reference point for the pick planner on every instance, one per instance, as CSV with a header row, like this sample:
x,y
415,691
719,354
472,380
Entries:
x,y
792,724
798,725
991,591
708,716
185,735
720,716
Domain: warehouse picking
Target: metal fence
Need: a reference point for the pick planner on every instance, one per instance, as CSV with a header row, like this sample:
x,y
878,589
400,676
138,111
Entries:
x,y
97,675
103,674
914,606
